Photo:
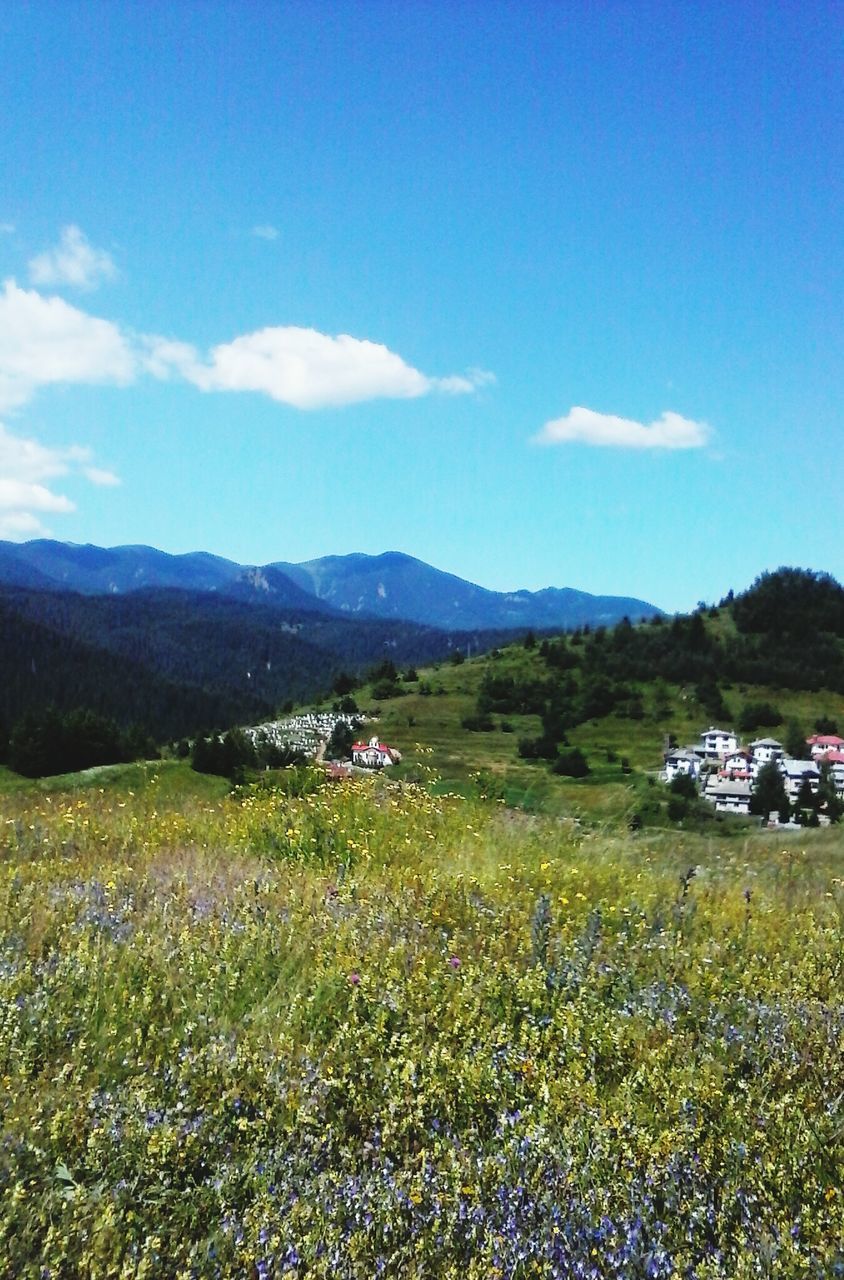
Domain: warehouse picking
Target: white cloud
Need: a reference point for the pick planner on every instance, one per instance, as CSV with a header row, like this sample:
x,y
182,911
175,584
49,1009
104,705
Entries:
x,y
265,232
25,467
99,476
73,261
46,340
462,383
17,526
163,357
304,368
585,426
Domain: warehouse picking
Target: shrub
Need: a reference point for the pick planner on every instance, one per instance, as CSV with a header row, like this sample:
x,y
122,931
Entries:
x,y
683,785
758,715
571,763
478,723
383,689
52,742
541,748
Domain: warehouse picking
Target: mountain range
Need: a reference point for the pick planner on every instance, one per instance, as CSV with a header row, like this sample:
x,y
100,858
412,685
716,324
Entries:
x,y
177,642
390,586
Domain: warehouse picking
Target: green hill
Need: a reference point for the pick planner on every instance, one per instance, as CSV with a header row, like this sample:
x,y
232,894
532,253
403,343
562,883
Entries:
x,y
617,696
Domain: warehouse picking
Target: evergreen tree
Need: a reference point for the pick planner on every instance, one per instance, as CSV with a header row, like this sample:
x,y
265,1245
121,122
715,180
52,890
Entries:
x,y
795,741
339,745
828,798
806,805
769,794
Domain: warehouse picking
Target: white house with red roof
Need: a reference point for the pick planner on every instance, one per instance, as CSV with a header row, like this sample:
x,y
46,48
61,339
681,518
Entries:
x,y
374,754
821,744
835,760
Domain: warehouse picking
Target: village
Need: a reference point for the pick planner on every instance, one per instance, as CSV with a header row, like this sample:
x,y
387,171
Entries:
x,y
726,773
312,733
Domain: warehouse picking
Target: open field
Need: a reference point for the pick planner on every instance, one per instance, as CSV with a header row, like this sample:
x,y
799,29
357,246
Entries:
x,y
368,1030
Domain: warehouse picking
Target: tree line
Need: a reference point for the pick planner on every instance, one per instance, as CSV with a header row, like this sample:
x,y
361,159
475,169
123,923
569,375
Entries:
x,y
50,742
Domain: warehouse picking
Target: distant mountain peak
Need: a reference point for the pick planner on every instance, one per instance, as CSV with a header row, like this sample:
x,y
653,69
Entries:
x,y
390,585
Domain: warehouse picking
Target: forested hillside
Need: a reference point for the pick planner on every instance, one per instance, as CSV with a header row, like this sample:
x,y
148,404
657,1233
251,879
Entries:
x,y
176,661
786,631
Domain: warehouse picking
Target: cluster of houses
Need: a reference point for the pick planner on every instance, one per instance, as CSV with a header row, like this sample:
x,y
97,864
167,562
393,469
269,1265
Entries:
x,y
307,732
726,772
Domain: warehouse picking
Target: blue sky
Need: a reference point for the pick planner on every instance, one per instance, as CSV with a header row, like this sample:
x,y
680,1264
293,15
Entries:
x,y
544,294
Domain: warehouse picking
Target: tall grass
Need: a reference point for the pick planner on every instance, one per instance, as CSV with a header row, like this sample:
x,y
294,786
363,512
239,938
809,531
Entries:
x,y
374,1031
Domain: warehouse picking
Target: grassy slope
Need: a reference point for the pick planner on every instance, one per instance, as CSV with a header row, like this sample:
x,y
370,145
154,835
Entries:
x,y
168,782
216,1048
428,732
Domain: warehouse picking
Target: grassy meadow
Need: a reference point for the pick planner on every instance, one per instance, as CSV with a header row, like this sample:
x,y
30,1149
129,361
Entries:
x,y
375,1029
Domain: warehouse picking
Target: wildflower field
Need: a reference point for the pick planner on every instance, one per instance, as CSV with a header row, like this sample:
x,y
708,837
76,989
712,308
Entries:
x,y
367,1030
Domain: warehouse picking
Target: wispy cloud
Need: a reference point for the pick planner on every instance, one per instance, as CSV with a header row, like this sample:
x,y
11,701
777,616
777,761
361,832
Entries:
x,y
46,340
606,430
265,231
304,368
7,228
99,476
73,261
27,470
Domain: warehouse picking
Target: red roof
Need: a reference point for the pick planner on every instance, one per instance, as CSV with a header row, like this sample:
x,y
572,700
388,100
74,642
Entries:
x,y
825,740
337,770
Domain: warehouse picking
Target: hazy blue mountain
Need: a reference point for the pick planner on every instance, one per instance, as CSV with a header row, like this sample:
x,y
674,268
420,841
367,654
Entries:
x,y
271,586
394,585
94,571
390,586
17,571
97,571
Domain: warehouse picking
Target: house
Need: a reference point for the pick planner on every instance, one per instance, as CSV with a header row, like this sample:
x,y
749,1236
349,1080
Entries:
x,y
795,772
717,743
680,760
737,764
374,754
835,761
764,751
820,744
729,795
